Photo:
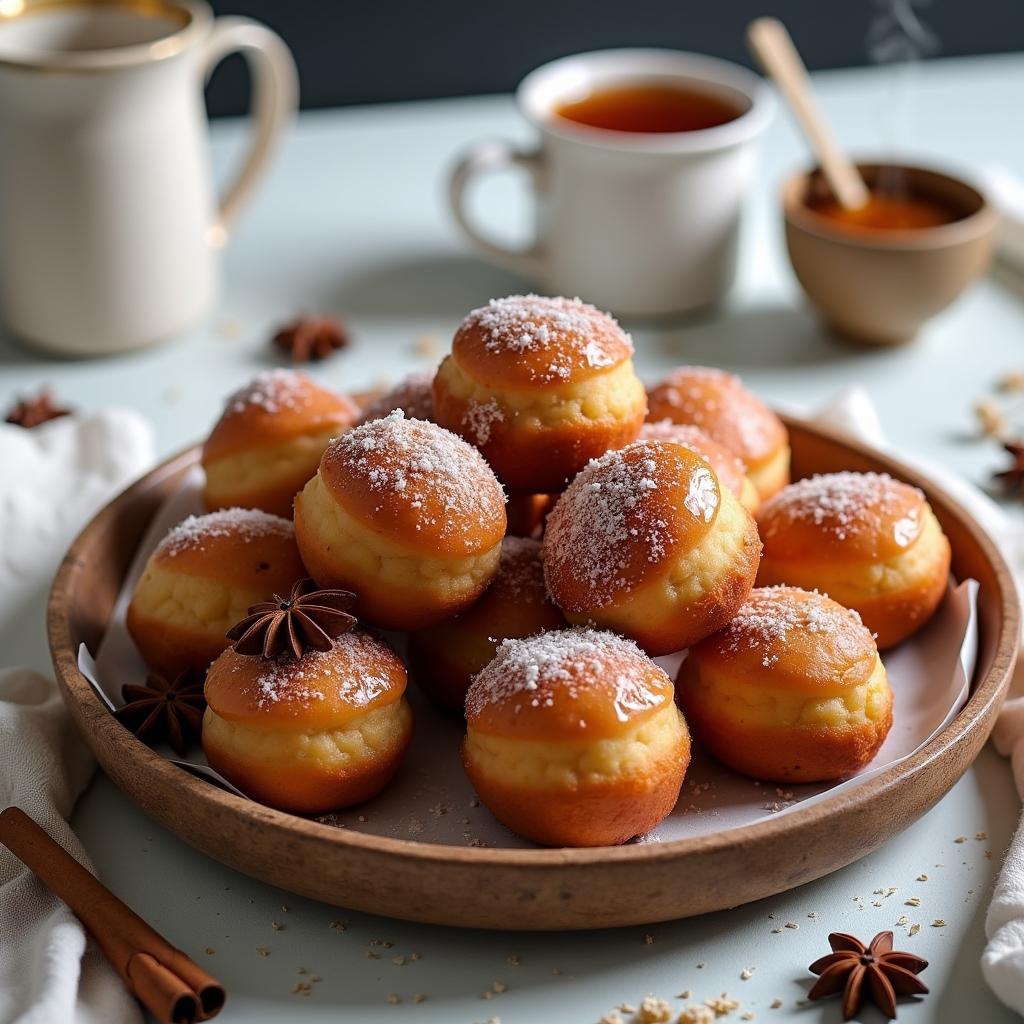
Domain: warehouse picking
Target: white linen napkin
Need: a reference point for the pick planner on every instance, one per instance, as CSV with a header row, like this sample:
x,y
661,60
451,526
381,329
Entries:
x,y
1002,962
55,477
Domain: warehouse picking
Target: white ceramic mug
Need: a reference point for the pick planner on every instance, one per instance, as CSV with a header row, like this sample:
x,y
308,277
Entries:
x,y
109,226
638,223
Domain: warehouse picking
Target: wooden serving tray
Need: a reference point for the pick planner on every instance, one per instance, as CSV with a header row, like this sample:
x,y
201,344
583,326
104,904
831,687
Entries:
x,y
535,888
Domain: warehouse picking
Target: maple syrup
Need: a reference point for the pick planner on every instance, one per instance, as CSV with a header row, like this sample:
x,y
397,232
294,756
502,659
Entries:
x,y
888,211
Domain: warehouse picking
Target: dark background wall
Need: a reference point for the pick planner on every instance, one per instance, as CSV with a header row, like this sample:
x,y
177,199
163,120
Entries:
x,y
359,52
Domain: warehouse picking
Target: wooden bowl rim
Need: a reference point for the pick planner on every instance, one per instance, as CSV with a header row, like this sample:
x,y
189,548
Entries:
x,y
979,223
988,690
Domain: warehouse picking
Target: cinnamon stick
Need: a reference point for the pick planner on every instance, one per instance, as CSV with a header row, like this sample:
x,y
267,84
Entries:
x,y
173,988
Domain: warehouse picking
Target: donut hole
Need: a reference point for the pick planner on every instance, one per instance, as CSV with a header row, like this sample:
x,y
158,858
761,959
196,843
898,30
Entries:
x,y
346,747
201,580
861,580
571,764
387,577
270,473
791,690
205,606
614,395
894,595
755,704
691,595
311,770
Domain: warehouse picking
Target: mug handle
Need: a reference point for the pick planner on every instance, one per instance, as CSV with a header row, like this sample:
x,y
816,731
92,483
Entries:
x,y
488,157
275,92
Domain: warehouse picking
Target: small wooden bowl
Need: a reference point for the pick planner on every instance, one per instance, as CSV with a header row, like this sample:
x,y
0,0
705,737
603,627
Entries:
x,y
515,888
880,287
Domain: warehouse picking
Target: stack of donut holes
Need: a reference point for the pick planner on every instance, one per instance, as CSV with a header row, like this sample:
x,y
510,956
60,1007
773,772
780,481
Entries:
x,y
539,526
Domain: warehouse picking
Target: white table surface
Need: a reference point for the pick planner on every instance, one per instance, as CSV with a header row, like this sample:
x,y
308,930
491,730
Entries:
x,y
352,221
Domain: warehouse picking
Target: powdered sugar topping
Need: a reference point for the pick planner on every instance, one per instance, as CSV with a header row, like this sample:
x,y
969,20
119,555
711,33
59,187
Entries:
x,y
848,505
611,510
548,668
479,419
422,469
247,524
562,333
341,672
774,617
272,391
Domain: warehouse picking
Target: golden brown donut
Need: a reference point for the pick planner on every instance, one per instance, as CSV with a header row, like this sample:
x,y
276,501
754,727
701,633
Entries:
x,y
728,413
412,395
728,467
573,739
313,735
200,580
792,690
405,514
445,657
540,386
870,542
646,542
269,439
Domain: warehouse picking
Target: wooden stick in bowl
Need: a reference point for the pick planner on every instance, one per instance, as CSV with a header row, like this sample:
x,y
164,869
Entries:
x,y
772,45
173,988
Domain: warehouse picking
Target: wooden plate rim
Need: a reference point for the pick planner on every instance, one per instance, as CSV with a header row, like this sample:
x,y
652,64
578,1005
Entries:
x,y
989,690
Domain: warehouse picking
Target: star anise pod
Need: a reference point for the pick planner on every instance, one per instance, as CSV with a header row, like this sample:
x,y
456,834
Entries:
x,y
306,618
312,338
162,710
876,971
1012,478
31,412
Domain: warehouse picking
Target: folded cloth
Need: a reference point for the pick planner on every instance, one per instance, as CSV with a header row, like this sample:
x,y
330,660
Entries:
x,y
55,477
1002,962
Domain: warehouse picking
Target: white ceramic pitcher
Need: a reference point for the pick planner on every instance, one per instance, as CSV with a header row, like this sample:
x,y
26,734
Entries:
x,y
109,226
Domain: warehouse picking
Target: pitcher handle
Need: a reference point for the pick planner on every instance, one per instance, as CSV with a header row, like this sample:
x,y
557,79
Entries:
x,y
275,91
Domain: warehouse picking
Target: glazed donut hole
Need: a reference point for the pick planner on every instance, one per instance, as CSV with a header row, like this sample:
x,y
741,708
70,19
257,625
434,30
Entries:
x,y
645,542
444,658
412,394
201,579
573,739
269,439
406,515
871,542
311,735
540,386
791,690
611,396
728,467
718,403
397,588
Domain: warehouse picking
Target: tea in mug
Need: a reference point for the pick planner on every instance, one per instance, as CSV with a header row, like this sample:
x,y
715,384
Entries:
x,y
651,107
